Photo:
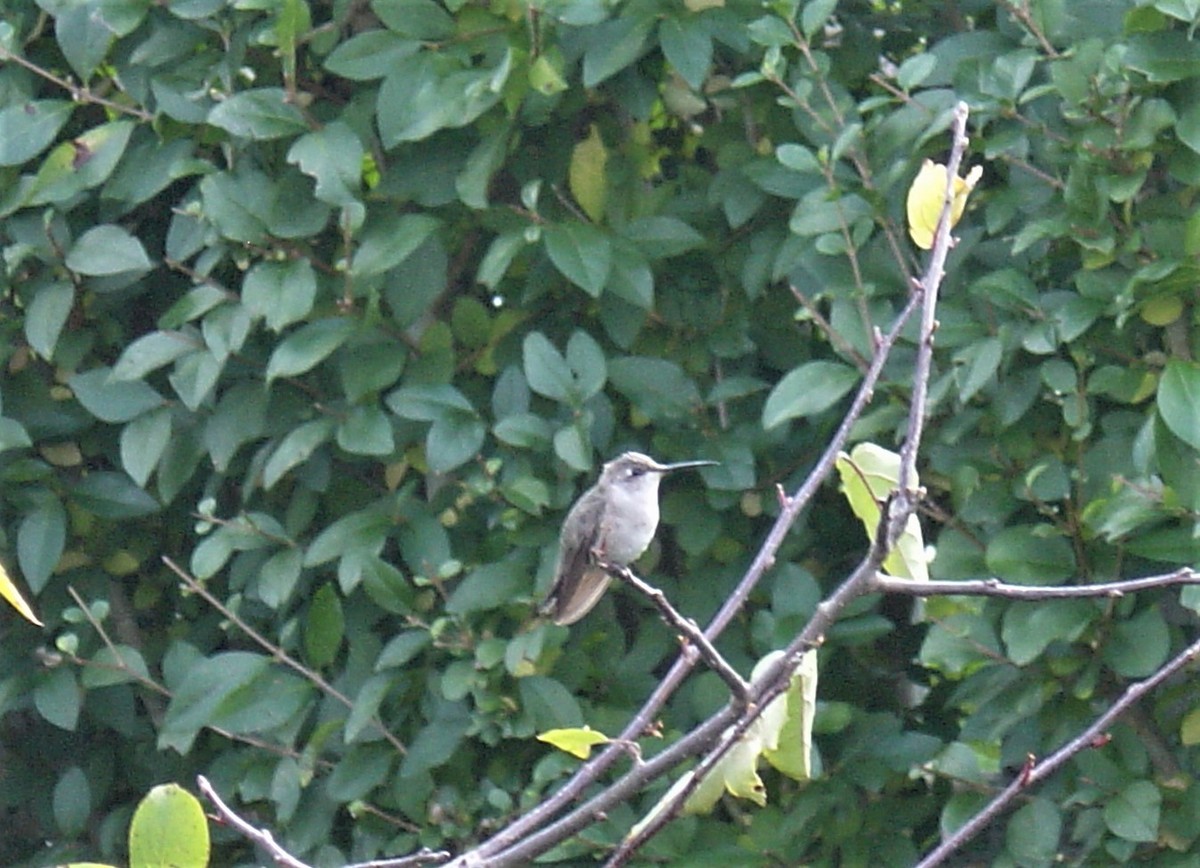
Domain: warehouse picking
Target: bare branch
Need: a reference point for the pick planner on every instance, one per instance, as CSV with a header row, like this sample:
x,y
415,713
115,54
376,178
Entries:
x,y
996,588
687,627
1038,771
280,856
262,837
275,651
930,283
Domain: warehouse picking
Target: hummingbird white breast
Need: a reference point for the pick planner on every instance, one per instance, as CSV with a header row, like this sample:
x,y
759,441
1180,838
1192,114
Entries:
x,y
630,519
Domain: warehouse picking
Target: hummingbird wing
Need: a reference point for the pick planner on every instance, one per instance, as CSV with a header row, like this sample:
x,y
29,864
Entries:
x,y
578,583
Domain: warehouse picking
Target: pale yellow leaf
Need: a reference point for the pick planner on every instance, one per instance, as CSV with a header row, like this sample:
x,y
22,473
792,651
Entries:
x,y
9,591
926,196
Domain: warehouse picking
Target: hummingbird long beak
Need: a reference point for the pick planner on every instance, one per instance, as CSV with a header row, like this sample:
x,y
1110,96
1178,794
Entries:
x,y
684,465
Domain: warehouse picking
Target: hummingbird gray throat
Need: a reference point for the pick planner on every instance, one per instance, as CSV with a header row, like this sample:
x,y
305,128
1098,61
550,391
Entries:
x,y
613,522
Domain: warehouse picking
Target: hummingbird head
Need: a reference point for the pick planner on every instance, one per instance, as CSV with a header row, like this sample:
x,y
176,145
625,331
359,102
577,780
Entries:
x,y
637,472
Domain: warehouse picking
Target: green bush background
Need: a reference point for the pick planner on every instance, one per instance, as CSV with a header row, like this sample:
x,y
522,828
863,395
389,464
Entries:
x,y
339,305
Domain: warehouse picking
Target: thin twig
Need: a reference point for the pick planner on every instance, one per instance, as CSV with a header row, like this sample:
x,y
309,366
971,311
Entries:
x,y
686,626
834,337
277,652
996,588
262,837
1038,771
79,93
904,504
280,856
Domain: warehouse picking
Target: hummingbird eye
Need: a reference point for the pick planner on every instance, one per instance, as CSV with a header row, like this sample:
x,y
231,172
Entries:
x,y
635,472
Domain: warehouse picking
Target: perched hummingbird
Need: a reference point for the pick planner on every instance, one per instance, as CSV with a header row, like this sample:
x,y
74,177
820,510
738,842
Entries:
x,y
612,522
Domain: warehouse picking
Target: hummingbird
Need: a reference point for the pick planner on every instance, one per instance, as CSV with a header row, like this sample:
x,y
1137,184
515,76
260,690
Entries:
x,y
612,522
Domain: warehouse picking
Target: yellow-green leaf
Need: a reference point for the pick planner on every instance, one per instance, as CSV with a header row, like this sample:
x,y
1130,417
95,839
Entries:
x,y
869,474
1189,730
9,591
168,828
577,741
586,178
791,752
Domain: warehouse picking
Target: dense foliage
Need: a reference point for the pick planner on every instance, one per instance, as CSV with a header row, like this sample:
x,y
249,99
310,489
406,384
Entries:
x,y
337,306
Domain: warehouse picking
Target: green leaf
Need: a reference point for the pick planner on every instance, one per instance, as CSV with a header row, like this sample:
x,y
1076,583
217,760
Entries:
x,y
308,346
113,400
388,587
58,699
281,292
364,767
582,253
169,827
370,55
814,15
83,36
687,45
1135,812
296,448
1179,400
143,442
572,446
72,801
107,249
524,430
366,705
571,380
810,389
366,431
428,403
41,539
277,578
13,435
80,164
402,648
545,368
370,365
1030,628
28,128
1030,555
1033,833
499,257
150,352
116,664
332,156
661,237
611,46
659,388
194,377
453,440
431,91
490,586
418,19
547,704
437,741
1139,646
47,314
324,627
390,240
207,684
114,496
262,113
